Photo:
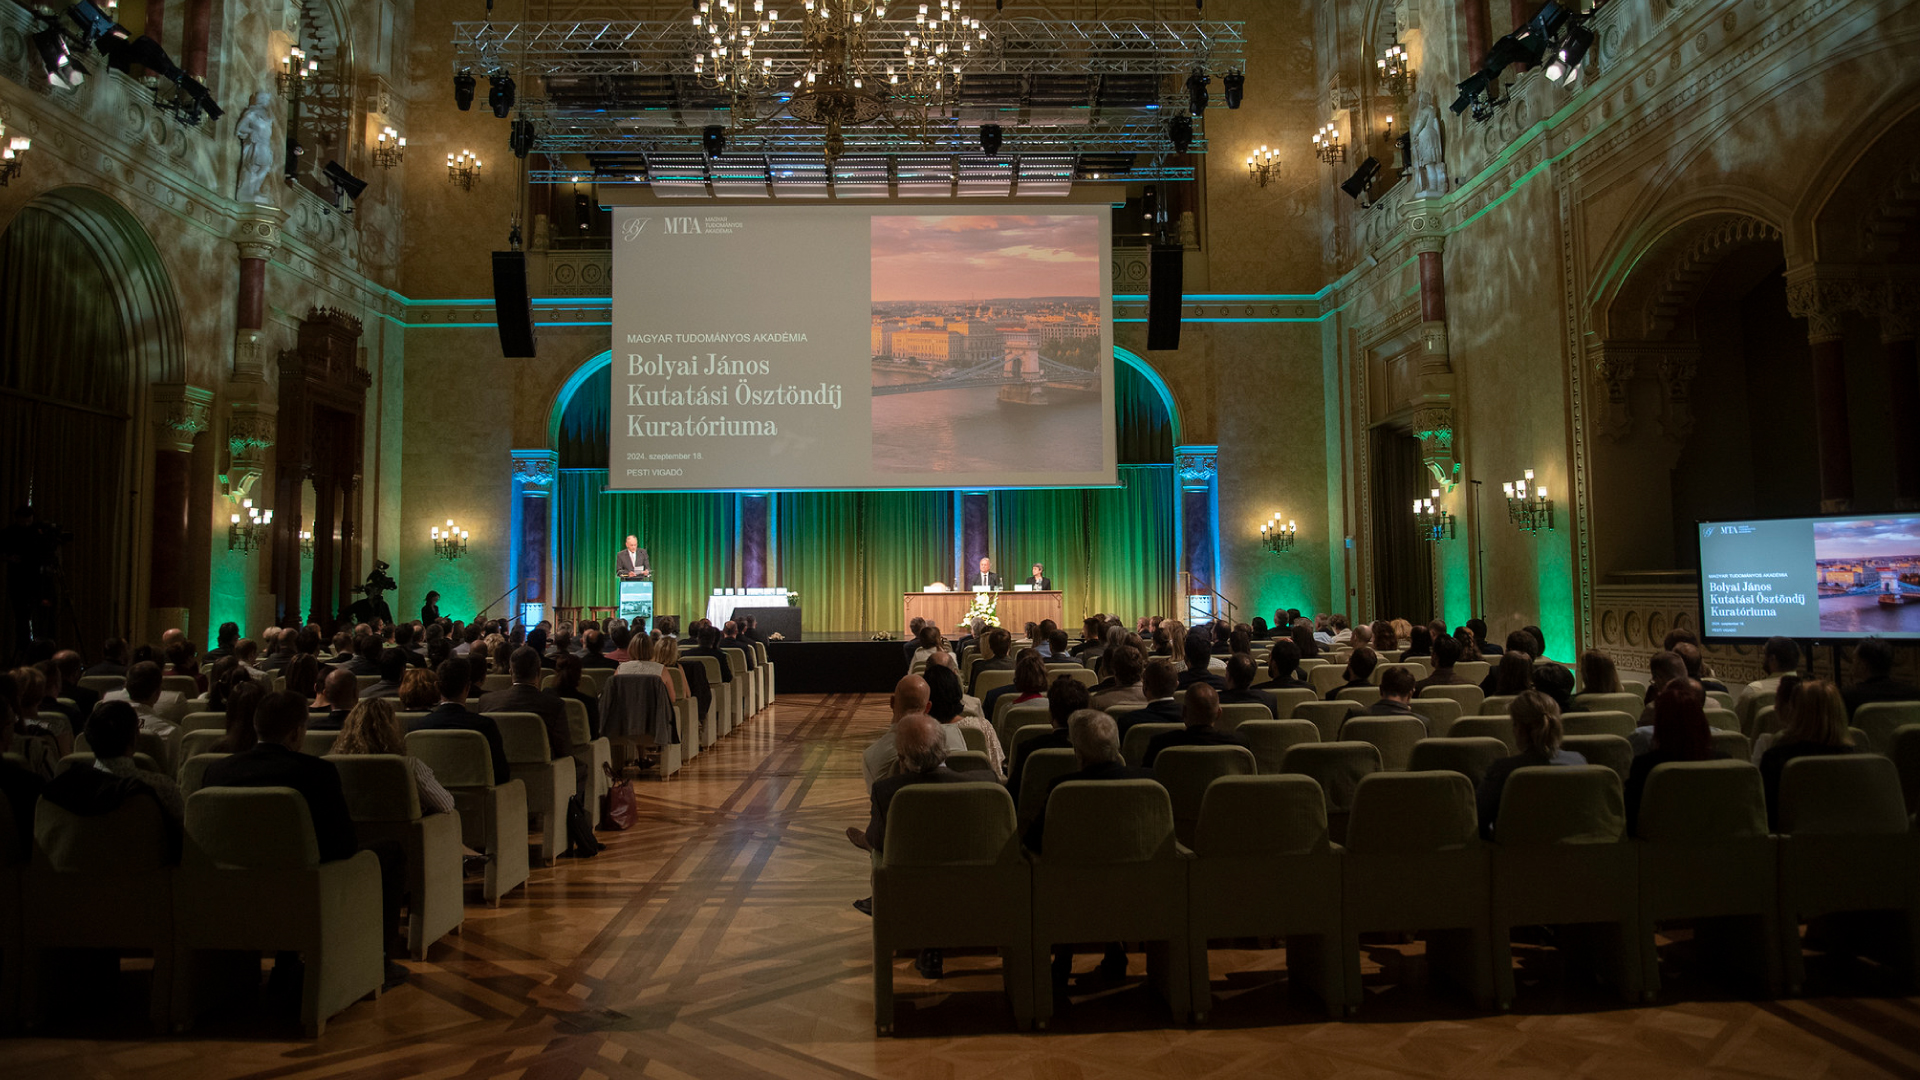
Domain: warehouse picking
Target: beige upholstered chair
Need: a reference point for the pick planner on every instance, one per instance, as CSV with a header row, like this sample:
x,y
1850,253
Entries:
x,y
1364,695
102,684
600,749
319,743
1327,716
1705,854
550,781
1880,719
184,685
1473,671
1039,770
1599,723
1561,857
1723,719
1338,767
385,804
1027,714
1263,867
1285,701
194,770
1393,736
1485,727
1133,745
951,874
722,714
493,817
1496,705
1233,714
82,759
1107,839
1440,712
1024,734
1630,704
1324,679
1270,739
1468,695
251,879
1185,771
748,682
1715,698
1414,861
1733,744
1470,757
972,761
1846,845
1612,751
974,738
992,680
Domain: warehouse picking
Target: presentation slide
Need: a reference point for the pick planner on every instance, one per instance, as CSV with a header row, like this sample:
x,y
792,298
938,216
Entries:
x,y
856,347
1826,579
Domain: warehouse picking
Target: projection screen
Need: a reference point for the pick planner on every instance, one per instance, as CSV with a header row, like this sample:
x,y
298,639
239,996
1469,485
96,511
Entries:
x,y
860,347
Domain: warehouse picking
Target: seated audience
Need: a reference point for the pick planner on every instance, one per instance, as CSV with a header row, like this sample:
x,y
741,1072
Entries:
x,y
1029,682
1598,675
1198,672
302,675
19,785
524,696
1127,665
1359,672
159,710
111,733
1814,722
1680,733
1396,694
567,671
925,643
337,696
419,692
1240,689
452,715
1305,641
373,727
1445,653
1779,657
68,663
1157,684
393,665
912,697
952,708
1689,653
1419,643
113,660
1537,733
1201,711
1477,635
1064,698
1283,667
1873,677
1512,675
921,753
1385,639
1556,682
241,702
1095,739
998,642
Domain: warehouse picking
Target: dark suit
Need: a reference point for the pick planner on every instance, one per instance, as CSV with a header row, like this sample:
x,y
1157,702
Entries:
x,y
1044,584
326,721
21,788
1259,697
1879,688
1291,682
1200,675
1200,736
1163,711
522,698
1036,833
1055,739
726,666
1441,677
598,660
449,716
317,781
1350,684
1387,706
83,699
999,663
991,581
628,564
105,669
883,792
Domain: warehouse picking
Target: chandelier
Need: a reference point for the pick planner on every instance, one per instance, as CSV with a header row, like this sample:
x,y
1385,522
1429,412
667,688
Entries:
x,y
725,61
832,90
936,47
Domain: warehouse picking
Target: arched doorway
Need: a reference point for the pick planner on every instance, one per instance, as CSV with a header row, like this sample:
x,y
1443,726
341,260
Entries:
x,y
87,319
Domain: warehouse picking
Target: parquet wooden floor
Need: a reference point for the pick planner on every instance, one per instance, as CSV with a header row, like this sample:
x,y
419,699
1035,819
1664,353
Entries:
x,y
716,939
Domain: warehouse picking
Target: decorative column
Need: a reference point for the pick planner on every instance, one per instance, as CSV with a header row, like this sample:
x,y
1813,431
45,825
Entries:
x,y
257,235
1473,19
1196,471
1903,393
349,566
179,413
755,515
1432,401
322,611
534,473
975,512
1823,303
199,30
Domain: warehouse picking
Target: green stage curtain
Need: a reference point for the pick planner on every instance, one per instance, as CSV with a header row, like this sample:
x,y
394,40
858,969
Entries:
x,y
688,535
1107,549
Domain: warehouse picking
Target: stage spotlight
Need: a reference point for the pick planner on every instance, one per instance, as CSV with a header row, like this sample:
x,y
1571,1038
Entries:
x,y
463,91
62,69
713,139
344,183
1234,84
520,138
1197,92
1362,178
1180,130
500,93
1566,61
990,135
198,101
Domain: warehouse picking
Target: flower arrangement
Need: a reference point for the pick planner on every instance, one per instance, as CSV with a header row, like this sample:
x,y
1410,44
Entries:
x,y
986,607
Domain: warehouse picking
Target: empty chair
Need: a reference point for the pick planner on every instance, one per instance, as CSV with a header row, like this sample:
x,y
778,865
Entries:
x,y
1338,767
1720,699
1496,705
940,885
1270,739
1025,734
1285,700
1393,736
550,781
1109,839
1630,704
1469,695
1036,774
1705,853
1880,719
1133,747
1263,867
1473,671
193,772
251,879
974,738
1733,744
493,817
1561,857
1324,679
1599,723
1414,861
1440,712
1846,846
1233,714
1026,714
384,801
1485,727
1326,715
1363,695
1612,751
1185,771
1470,757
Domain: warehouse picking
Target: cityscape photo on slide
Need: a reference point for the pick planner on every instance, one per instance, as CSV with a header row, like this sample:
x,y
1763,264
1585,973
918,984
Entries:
x,y
1869,575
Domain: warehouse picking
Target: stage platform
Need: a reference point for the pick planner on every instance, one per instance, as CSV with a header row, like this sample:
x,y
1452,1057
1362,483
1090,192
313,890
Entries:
x,y
837,664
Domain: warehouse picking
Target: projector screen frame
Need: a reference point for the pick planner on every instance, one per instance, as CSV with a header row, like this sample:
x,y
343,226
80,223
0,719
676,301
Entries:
x,y
1821,636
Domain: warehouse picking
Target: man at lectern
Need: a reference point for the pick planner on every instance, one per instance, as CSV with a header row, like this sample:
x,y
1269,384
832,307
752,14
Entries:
x,y
987,578
1039,580
631,564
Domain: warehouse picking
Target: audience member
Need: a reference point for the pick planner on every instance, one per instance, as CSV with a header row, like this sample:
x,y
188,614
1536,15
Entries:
x,y
1537,734
567,672
452,715
1127,665
920,751
1419,643
159,710
1814,723
1598,675
336,698
1200,713
241,702
373,727
926,642
393,665
1680,733
302,675
1095,739
113,660
1064,698
1396,694
1512,675
1198,672
911,698
1477,631
1873,677
111,733
1359,671
1445,653
1029,682
524,696
998,641
1689,653
419,691
67,663
1556,682
1283,667
1240,671
19,785
1779,657
594,657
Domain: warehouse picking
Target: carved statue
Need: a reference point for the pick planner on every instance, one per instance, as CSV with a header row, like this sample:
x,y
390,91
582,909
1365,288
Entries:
x,y
255,132
1429,161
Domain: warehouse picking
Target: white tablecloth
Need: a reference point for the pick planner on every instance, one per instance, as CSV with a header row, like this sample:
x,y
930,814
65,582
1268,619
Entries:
x,y
720,608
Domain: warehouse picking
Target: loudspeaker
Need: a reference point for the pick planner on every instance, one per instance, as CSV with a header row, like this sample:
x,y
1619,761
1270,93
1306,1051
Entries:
x,y
1163,296
512,311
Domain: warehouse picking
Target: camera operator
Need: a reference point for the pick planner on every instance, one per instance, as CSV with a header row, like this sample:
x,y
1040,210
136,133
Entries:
x,y
373,605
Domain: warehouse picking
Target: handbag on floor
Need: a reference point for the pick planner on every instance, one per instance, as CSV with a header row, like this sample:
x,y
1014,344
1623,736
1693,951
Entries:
x,y
617,809
580,840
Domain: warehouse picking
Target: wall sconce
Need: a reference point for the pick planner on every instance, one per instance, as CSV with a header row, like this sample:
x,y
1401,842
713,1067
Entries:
x,y
244,536
1327,145
1260,165
463,169
11,151
1432,520
449,543
306,543
1276,536
1391,69
388,148
1527,504
296,67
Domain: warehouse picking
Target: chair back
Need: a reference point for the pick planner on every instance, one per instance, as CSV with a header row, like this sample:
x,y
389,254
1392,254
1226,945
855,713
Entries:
x,y
499,680
1904,748
1185,771
184,685
1702,802
1324,679
265,828
319,743
1412,812
1723,719
1243,816
1733,744
1765,720
101,684
1639,690
992,680
1497,704
1026,734
1338,767
1036,773
203,721
1326,715
1270,739
1562,804
1621,703
82,759
1842,795
1233,714
577,729
364,681
11,853
1363,695
379,787
129,839
1470,757
971,761
1473,671
199,742
1600,723
1485,727
1393,736
974,738
524,737
1721,698
457,758
1109,821
711,663
1133,745
1025,714
736,660
1286,700
1880,719
1469,695
1612,751
1381,669
920,826
1440,712
193,771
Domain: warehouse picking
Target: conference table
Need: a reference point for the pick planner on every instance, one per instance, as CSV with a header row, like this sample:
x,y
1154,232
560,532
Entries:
x,y
1015,609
